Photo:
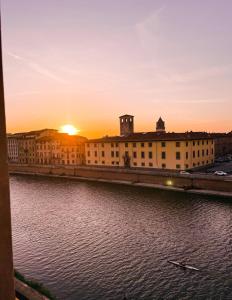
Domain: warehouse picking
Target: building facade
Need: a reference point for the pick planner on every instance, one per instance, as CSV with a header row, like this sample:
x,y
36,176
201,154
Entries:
x,y
60,149
47,147
223,143
160,150
13,147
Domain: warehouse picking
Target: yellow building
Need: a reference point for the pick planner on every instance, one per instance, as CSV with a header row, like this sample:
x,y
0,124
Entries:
x,y
49,147
27,145
158,149
13,147
60,148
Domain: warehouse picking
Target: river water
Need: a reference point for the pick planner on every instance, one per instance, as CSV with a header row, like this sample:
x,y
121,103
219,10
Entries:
x,y
91,240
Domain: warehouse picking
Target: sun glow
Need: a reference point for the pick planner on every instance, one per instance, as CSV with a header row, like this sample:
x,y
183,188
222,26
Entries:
x,y
69,129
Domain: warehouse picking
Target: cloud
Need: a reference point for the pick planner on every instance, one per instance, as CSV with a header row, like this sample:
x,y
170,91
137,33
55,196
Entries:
x,y
24,93
160,75
200,101
148,28
37,67
200,74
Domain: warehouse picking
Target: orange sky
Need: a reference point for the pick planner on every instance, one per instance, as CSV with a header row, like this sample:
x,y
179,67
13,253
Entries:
x,y
88,64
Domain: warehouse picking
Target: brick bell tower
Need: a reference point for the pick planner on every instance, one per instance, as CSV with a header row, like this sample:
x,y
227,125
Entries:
x,y
126,124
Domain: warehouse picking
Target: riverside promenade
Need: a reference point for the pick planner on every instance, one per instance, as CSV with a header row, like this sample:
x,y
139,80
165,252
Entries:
x,y
192,183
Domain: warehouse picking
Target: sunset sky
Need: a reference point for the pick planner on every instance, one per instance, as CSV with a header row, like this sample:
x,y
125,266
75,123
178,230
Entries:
x,y
87,62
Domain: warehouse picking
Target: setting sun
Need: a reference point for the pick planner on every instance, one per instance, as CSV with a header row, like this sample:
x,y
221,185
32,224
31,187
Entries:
x,y
69,129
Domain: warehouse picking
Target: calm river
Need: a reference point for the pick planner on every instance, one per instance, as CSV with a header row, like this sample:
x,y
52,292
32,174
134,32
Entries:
x,y
90,241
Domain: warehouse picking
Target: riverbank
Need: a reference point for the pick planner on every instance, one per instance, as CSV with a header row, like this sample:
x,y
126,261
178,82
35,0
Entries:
x,y
195,183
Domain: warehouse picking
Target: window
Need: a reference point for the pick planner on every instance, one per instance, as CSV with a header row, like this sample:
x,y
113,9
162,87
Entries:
x,y
103,153
135,154
95,161
194,164
198,143
143,164
163,155
186,144
103,145
163,144
126,145
194,154
163,166
116,144
149,144
95,145
134,145
142,144
186,166
142,154
150,154
117,163
198,153
112,162
177,144
135,163
95,153
178,155
112,153
207,152
207,142
203,152
203,142
117,154
177,166
103,162
150,164
186,155
211,151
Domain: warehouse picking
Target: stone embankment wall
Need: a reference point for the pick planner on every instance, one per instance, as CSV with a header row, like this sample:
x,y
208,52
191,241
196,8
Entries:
x,y
188,182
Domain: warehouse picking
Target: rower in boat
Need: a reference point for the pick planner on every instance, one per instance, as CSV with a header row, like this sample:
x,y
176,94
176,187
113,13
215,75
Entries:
x,y
183,266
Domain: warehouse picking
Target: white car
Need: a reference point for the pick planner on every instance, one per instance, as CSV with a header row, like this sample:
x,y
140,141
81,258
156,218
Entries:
x,y
184,173
220,173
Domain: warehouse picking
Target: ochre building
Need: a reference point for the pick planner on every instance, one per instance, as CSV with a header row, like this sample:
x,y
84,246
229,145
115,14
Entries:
x,y
60,149
158,149
46,147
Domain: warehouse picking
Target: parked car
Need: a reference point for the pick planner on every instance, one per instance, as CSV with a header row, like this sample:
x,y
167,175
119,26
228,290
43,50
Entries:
x,y
184,173
220,173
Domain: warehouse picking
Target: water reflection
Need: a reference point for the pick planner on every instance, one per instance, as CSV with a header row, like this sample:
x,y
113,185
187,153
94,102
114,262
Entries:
x,y
90,241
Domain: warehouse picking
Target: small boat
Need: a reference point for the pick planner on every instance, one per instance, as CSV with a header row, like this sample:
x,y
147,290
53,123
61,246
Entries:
x,y
183,266
191,268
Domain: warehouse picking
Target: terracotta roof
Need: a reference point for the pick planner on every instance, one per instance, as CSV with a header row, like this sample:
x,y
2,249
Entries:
x,y
63,137
155,136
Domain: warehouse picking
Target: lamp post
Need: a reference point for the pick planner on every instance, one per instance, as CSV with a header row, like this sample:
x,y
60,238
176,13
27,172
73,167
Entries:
x,y
6,257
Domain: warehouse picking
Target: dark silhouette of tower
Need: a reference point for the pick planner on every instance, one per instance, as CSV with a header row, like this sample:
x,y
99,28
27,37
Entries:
x,y
160,125
126,124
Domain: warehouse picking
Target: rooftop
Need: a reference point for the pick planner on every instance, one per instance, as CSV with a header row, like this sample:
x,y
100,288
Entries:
x,y
155,136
